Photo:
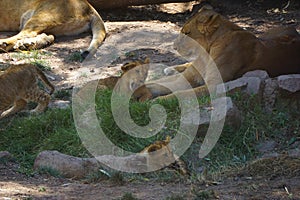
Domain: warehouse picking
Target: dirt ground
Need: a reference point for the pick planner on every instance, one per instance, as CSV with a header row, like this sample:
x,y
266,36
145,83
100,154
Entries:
x,y
256,16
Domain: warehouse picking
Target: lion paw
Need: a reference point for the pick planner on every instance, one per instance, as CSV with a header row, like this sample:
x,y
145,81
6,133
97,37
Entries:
x,y
36,42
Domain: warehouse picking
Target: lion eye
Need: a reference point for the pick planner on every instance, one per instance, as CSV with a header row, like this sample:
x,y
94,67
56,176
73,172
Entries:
x,y
186,32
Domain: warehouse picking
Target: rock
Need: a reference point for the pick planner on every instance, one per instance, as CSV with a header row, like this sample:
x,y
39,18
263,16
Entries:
x,y
5,155
283,90
270,94
74,167
270,155
68,166
60,104
295,153
266,146
249,85
254,85
290,83
231,114
137,163
261,74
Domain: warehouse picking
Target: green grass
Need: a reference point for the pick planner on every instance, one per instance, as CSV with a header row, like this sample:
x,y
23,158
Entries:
x,y
26,136
75,57
175,197
236,147
128,196
139,113
34,57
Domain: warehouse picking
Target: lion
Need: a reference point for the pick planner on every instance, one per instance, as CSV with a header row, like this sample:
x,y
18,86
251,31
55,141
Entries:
x,y
132,79
159,154
19,85
40,20
234,50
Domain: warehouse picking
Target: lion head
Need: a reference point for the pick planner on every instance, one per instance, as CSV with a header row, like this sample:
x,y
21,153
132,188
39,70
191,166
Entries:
x,y
134,74
131,80
200,30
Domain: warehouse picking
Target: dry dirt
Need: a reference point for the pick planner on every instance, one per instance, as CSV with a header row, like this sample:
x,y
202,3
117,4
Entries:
x,y
166,20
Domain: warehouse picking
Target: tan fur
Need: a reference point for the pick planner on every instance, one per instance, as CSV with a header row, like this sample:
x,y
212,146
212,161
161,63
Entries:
x,y
164,155
40,20
233,49
19,85
133,77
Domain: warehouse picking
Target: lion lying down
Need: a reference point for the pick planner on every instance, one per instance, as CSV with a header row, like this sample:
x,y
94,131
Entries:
x,y
19,85
40,20
132,79
234,51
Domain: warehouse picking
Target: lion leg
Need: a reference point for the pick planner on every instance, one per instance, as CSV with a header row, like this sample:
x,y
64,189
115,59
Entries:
x,y
31,35
198,92
18,105
39,96
8,44
178,68
146,96
37,42
23,41
26,40
142,94
43,101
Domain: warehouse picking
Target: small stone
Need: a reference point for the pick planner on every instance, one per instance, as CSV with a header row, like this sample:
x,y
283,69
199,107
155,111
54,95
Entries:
x,y
60,104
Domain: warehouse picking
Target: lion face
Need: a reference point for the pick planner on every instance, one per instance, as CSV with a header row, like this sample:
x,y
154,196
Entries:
x,y
135,73
133,76
197,31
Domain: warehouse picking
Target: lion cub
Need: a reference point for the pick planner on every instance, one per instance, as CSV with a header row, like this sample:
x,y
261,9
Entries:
x,y
132,78
164,156
19,85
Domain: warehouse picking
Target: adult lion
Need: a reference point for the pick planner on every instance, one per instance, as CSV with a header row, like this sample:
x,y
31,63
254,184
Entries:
x,y
40,20
234,51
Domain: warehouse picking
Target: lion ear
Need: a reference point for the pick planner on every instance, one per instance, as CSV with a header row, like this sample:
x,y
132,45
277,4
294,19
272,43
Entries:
x,y
210,25
147,61
206,7
127,67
